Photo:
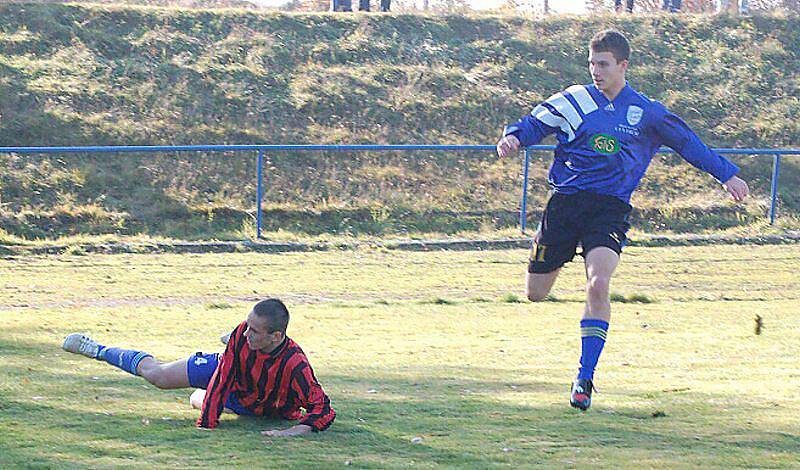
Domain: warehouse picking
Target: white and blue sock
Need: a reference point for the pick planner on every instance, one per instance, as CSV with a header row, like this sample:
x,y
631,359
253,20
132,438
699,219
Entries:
x,y
126,359
593,338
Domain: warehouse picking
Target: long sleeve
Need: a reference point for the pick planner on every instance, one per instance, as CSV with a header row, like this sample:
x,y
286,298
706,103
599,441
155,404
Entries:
x,y
222,381
531,129
562,114
319,414
677,135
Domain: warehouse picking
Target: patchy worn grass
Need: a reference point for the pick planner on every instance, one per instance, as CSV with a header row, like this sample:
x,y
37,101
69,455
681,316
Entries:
x,y
409,345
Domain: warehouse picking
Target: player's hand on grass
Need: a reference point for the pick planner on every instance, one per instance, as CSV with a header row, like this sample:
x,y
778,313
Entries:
x,y
737,188
297,430
507,145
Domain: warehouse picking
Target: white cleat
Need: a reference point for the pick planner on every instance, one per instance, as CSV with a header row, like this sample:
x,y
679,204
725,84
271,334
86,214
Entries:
x,y
225,338
81,344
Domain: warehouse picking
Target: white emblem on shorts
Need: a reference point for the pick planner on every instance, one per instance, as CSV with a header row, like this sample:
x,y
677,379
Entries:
x,y
199,361
634,115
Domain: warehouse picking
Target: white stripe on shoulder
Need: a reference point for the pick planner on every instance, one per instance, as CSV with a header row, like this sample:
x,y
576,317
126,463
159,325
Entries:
x,y
584,99
543,114
563,106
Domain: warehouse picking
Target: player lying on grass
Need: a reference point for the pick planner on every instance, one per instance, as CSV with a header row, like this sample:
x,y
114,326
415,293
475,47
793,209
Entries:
x,y
261,373
607,134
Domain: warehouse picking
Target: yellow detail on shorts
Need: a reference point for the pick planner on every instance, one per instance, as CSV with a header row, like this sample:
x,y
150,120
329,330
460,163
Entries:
x,y
537,253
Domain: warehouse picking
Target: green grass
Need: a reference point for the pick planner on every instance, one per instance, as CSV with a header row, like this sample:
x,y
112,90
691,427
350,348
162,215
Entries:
x,y
684,382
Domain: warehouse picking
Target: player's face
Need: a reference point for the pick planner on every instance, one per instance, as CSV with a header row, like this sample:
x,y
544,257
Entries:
x,y
607,73
258,335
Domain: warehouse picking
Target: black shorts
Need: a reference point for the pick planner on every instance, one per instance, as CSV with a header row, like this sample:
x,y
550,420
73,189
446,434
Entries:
x,y
589,219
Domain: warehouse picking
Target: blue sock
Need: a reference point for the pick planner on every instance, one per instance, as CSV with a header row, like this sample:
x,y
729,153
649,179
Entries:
x,y
126,359
593,338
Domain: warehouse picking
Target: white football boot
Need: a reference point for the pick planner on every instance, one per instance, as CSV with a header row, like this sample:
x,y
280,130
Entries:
x,y
81,344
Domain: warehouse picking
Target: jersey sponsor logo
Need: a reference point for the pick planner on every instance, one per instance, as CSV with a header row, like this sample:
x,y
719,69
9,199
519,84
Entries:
x,y
634,115
610,107
605,144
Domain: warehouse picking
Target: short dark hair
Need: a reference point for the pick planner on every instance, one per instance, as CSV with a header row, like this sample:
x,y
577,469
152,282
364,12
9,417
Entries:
x,y
275,313
610,40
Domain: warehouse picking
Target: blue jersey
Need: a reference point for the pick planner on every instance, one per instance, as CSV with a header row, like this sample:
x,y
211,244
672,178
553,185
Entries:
x,y
606,146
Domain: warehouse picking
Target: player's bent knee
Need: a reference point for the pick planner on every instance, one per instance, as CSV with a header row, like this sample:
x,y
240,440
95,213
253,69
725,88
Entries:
x,y
197,397
538,285
598,285
535,295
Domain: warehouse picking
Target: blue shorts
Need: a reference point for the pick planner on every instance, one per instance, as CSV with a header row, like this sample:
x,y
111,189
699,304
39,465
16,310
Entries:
x,y
584,218
200,368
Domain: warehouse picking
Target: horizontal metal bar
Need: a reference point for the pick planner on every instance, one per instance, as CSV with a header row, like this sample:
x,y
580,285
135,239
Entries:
x,y
239,148
335,148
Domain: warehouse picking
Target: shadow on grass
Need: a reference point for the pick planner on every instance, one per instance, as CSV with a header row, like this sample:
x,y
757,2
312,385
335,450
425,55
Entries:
x,y
464,416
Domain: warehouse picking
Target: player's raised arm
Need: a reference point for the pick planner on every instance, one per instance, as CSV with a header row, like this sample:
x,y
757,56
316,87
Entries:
x,y
677,135
531,129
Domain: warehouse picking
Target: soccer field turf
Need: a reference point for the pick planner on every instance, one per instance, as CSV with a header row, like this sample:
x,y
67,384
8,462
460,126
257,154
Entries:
x,y
440,346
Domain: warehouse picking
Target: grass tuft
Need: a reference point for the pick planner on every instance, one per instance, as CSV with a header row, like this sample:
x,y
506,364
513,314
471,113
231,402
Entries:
x,y
511,299
631,299
219,306
439,301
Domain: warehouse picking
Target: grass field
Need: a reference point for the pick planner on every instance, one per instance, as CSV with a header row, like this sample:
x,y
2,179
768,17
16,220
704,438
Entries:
x,y
437,345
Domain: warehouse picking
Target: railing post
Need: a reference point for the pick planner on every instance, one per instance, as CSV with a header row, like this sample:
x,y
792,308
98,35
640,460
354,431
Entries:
x,y
259,191
523,211
776,170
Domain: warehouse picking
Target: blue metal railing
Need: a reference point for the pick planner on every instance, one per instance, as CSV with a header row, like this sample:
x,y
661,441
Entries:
x,y
259,191
776,165
261,149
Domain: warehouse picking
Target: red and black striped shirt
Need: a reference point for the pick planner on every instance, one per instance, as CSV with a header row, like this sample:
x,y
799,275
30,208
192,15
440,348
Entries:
x,y
275,384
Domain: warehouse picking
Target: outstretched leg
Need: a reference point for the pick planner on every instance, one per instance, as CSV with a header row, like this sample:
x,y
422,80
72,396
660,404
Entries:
x,y
165,375
169,375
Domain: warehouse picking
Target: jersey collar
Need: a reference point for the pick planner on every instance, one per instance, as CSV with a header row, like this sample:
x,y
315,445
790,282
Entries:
x,y
278,349
603,101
